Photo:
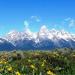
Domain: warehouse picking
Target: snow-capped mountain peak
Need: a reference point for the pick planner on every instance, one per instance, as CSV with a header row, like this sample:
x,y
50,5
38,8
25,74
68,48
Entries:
x,y
27,31
44,33
13,35
44,39
43,30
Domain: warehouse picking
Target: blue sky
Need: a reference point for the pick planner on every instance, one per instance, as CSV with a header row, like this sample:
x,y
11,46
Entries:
x,y
18,14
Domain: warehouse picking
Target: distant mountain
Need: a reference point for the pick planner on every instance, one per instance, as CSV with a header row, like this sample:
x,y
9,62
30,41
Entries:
x,y
6,45
44,40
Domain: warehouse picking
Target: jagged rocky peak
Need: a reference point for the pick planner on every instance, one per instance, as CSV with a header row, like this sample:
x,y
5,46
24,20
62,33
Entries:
x,y
45,38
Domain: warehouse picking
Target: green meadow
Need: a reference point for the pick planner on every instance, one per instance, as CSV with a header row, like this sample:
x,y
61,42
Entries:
x,y
38,62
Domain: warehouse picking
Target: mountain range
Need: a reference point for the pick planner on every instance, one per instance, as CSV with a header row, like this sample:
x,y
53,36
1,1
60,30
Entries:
x,y
43,40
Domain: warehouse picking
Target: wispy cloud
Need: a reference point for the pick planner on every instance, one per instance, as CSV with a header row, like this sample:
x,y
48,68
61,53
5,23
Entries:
x,y
67,19
70,22
31,20
26,23
36,18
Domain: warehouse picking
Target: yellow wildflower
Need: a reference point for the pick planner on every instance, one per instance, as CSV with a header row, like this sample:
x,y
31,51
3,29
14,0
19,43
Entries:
x,y
50,73
29,60
44,60
18,73
43,64
1,62
5,62
32,66
9,68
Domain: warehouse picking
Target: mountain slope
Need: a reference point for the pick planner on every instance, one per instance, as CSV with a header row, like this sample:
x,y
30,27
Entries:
x,y
44,39
6,45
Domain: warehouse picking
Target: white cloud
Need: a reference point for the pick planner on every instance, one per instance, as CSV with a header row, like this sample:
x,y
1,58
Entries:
x,y
31,20
70,22
67,19
36,18
26,24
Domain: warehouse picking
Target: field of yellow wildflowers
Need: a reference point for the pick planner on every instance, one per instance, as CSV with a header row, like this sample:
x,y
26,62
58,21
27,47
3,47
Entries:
x,y
37,63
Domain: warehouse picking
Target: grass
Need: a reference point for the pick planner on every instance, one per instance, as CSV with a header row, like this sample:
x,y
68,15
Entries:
x,y
56,62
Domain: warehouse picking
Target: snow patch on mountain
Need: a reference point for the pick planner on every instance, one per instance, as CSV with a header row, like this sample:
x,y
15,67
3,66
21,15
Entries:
x,y
44,38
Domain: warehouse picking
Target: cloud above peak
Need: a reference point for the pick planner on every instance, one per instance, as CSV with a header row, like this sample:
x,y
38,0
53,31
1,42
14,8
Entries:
x,y
26,23
36,18
34,23
31,21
